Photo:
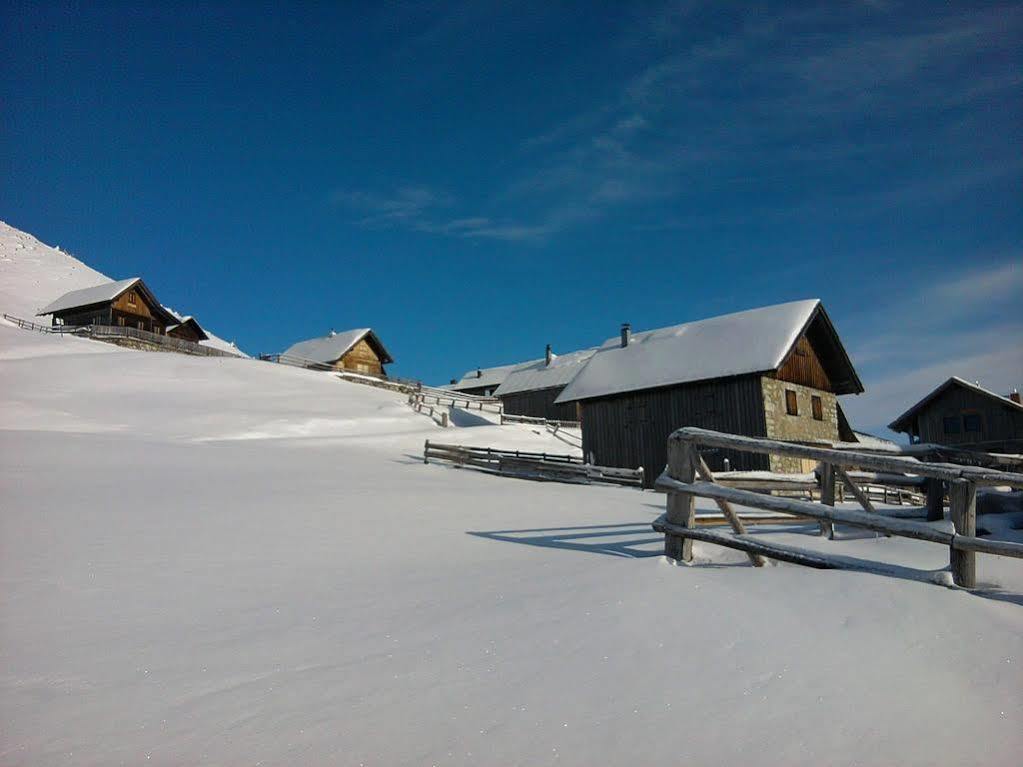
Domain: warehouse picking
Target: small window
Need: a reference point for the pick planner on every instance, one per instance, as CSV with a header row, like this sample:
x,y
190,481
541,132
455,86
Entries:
x,y
818,408
131,297
971,422
951,424
791,405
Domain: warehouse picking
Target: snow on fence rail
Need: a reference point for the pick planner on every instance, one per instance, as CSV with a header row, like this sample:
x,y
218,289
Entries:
x,y
685,464
529,465
510,418
116,333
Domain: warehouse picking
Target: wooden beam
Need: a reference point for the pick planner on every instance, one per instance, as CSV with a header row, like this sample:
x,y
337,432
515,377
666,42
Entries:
x,y
828,496
889,463
879,522
747,544
963,507
726,508
681,506
855,490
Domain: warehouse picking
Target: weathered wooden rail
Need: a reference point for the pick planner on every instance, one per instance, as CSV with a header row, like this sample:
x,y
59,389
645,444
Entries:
x,y
685,465
511,418
428,395
552,467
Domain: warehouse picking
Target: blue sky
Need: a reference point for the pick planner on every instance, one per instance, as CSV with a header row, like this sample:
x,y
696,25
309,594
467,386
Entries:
x,y
475,180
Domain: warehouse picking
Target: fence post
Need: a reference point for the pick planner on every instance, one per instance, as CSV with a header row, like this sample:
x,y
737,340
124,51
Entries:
x,y
681,507
444,419
827,496
963,508
426,452
935,499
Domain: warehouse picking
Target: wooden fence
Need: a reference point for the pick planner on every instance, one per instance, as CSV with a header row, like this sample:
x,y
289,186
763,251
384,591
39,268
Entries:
x,y
428,395
510,418
530,465
685,464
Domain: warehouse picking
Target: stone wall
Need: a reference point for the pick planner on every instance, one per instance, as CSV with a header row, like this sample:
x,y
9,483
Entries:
x,y
781,425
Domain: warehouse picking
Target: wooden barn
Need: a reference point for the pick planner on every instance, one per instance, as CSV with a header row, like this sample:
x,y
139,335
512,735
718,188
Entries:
x,y
187,329
358,351
965,414
770,372
483,381
127,303
532,388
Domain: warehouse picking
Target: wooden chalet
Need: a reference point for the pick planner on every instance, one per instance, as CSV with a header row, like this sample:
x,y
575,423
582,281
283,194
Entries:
x,y
187,329
127,303
532,388
771,372
482,381
965,414
358,351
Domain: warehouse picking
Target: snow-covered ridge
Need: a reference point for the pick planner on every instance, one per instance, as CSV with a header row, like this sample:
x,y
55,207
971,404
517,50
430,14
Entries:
x,y
34,275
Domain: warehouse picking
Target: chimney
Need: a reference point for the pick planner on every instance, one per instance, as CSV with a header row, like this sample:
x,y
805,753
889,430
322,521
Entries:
x,y
1014,396
547,355
626,334
454,381
332,333
479,373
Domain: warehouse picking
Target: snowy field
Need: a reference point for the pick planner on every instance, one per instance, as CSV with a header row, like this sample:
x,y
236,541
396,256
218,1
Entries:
x,y
228,562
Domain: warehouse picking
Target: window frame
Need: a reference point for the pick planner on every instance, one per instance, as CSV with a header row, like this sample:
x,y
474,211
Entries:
x,y
791,402
817,407
132,298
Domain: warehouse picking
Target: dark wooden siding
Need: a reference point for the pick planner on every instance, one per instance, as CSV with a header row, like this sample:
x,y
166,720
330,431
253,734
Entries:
x,y
632,430
540,404
803,366
998,422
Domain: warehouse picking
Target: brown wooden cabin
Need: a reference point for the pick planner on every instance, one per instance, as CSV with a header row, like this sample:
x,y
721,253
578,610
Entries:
x,y
358,351
127,303
532,388
188,329
771,372
965,414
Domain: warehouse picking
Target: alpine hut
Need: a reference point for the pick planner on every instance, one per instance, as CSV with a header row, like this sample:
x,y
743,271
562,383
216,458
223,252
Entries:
x,y
769,372
483,381
532,388
965,414
126,303
356,350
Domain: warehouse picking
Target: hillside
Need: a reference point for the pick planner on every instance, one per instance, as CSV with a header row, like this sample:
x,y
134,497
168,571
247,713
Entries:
x,y
33,274
225,561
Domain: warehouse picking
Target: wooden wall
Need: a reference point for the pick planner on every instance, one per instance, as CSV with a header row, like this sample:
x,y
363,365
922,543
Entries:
x,y
803,366
540,404
631,430
185,332
998,422
361,359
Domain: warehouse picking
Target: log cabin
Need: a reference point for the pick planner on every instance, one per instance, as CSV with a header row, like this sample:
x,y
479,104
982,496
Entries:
x,y
770,372
532,388
127,303
965,414
187,329
358,351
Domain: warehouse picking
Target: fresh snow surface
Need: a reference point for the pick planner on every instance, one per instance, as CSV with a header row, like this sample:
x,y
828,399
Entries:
x,y
225,562
486,376
732,344
34,275
106,291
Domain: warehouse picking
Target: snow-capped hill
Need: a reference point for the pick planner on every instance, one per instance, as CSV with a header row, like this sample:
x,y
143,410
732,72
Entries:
x,y
33,274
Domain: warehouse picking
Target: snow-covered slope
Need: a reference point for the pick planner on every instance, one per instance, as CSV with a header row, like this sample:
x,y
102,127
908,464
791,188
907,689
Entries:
x,y
224,561
33,274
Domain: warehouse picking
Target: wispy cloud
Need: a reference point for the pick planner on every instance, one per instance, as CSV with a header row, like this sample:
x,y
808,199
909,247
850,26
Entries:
x,y
967,324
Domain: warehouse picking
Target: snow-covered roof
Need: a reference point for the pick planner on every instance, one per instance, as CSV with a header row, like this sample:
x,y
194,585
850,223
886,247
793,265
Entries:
x,y
333,346
486,377
753,341
536,375
97,294
902,422
188,320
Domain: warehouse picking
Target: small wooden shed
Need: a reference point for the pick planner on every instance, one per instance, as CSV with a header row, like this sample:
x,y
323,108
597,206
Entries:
x,y
965,414
359,351
769,372
126,303
188,329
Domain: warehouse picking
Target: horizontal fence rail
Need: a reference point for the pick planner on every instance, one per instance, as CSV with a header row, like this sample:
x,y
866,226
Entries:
x,y
531,465
687,477
114,333
511,418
